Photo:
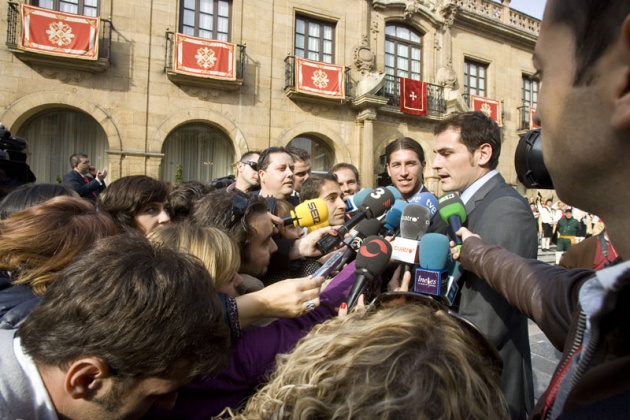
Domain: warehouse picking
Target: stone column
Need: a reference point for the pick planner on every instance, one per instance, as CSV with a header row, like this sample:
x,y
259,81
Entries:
x,y
366,168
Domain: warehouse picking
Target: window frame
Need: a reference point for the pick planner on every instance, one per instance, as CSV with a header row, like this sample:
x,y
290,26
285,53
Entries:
x,y
308,21
215,20
467,77
80,7
532,90
409,43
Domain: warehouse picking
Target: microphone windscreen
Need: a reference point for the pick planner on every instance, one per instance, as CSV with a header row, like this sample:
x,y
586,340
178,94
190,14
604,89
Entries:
x,y
368,227
449,205
373,256
392,218
378,201
359,197
394,190
310,212
434,251
318,226
427,200
414,221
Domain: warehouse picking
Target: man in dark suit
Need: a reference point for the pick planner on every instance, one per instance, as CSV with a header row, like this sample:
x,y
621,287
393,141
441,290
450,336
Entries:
x,y
467,148
78,180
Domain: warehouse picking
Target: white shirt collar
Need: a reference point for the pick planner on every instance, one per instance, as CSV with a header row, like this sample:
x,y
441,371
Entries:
x,y
43,406
475,186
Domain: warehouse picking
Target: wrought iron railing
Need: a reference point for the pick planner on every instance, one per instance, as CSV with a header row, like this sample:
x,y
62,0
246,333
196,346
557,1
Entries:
x,y
13,32
435,95
289,75
524,117
168,56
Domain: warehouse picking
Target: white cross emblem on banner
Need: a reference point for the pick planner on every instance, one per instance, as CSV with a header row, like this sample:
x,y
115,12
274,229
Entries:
x,y
413,96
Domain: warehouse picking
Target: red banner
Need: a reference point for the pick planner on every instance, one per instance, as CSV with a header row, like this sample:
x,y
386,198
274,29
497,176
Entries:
x,y
321,79
204,57
413,97
62,34
490,107
532,124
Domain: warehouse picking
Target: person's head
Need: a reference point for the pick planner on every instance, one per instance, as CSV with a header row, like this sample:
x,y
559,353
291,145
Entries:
x,y
216,250
405,165
584,101
549,202
80,162
28,195
303,167
182,197
247,171
467,146
284,208
136,202
275,170
245,218
399,363
568,213
39,241
327,188
123,328
348,178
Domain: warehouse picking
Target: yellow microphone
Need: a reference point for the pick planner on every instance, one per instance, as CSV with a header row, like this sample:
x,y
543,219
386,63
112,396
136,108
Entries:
x,y
309,213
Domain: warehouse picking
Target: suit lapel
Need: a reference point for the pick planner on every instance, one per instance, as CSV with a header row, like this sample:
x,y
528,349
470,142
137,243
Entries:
x,y
482,192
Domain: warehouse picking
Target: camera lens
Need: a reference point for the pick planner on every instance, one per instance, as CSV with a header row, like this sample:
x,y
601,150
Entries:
x,y
528,160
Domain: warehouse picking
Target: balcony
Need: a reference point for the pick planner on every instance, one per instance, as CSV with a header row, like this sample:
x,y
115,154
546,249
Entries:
x,y
526,118
206,80
13,42
500,13
316,88
436,103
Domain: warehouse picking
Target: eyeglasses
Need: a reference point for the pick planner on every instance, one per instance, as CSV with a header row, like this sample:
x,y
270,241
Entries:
x,y
488,351
239,206
251,164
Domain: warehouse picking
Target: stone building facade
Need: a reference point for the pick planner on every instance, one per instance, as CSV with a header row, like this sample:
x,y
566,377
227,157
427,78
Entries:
x,y
134,114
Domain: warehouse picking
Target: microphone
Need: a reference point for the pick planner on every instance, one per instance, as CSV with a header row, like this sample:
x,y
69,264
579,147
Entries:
x,y
394,190
306,214
414,223
365,228
432,277
453,212
392,218
359,197
427,200
372,259
374,205
455,272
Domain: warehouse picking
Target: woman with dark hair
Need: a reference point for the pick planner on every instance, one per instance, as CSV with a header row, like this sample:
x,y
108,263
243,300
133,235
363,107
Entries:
x,y
136,202
29,195
37,243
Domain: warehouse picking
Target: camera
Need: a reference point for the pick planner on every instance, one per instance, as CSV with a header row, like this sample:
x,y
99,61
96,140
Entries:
x,y
529,164
14,171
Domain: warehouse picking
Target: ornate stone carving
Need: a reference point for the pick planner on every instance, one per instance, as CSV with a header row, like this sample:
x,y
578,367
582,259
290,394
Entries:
x,y
446,76
66,76
449,12
364,57
370,84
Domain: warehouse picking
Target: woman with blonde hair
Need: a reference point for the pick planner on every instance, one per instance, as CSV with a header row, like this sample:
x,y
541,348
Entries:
x,y
400,362
37,243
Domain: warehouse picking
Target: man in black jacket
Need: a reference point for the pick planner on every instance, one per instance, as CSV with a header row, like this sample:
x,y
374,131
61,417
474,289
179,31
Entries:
x,y
86,186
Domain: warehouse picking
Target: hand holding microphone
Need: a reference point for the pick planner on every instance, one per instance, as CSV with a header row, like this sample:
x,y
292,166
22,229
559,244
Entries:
x,y
453,212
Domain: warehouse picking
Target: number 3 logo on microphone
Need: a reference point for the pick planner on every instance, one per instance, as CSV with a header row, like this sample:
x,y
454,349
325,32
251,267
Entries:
x,y
377,193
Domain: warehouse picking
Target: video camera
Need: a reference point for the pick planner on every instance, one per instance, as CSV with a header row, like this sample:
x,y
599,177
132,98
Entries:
x,y
14,171
529,163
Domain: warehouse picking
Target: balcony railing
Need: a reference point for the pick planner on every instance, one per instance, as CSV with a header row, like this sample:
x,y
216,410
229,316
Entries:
x,y
289,76
498,12
435,95
104,46
524,117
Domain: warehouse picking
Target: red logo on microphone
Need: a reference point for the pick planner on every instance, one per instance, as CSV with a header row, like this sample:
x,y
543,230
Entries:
x,y
382,246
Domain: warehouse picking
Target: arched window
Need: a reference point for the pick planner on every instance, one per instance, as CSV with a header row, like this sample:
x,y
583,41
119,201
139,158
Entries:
x,y
322,157
209,19
202,150
403,55
54,135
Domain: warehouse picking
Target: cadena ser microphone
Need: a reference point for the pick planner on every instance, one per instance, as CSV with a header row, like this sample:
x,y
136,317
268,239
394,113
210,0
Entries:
x,y
374,205
372,259
432,276
453,212
309,213
414,223
392,218
427,200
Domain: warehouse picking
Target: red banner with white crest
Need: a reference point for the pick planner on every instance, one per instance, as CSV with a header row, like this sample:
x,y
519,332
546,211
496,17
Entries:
x,y
321,79
490,107
532,124
204,57
413,97
61,34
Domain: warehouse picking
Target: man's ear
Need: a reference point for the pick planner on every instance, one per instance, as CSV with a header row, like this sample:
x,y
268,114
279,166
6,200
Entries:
x,y
84,377
621,116
485,154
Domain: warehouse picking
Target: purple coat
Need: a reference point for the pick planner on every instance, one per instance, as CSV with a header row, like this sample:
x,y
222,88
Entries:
x,y
254,356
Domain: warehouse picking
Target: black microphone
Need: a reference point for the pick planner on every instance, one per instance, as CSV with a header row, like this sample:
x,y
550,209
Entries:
x,y
365,228
374,205
414,223
453,212
372,259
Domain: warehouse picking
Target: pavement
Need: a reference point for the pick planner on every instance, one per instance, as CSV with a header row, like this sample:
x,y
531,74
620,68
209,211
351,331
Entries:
x,y
545,357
